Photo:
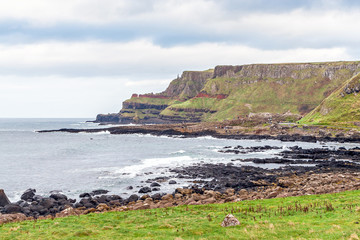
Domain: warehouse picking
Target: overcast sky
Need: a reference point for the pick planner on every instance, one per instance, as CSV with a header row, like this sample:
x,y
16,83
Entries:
x,y
77,58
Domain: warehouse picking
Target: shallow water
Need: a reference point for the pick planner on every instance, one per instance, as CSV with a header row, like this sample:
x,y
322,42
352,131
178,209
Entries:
x,y
77,163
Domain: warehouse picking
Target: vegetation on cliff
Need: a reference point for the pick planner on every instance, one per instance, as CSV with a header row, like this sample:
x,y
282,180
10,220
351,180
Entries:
x,y
342,107
328,216
232,92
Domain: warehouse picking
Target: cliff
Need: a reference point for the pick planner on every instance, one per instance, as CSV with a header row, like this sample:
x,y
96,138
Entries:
x,y
146,108
342,107
231,92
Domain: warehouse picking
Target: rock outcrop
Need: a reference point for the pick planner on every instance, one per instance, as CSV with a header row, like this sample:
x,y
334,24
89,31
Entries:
x,y
232,92
3,198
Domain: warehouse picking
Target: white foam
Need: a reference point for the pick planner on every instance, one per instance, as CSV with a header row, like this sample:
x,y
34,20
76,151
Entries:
x,y
179,152
96,133
132,171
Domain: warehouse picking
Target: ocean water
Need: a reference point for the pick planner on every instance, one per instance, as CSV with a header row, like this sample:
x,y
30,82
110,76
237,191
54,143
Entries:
x,y
82,162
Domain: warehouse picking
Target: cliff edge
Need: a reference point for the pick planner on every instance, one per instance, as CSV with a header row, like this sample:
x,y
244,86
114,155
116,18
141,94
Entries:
x,y
231,92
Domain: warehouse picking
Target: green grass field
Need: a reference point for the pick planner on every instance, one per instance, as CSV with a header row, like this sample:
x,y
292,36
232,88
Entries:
x,y
332,216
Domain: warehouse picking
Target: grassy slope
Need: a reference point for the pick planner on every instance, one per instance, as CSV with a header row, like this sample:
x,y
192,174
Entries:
x,y
337,110
152,101
334,216
268,95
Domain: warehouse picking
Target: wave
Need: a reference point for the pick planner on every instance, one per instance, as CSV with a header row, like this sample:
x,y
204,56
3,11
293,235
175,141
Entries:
x,y
179,152
95,133
132,171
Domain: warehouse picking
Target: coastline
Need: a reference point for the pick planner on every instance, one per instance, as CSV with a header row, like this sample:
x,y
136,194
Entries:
x,y
290,133
327,171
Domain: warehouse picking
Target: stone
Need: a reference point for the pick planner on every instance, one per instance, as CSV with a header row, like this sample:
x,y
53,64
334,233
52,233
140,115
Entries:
x,y
58,196
142,206
143,197
28,194
155,184
230,191
83,195
47,202
102,207
3,198
99,192
12,208
230,220
167,197
133,198
172,182
145,190
184,191
156,196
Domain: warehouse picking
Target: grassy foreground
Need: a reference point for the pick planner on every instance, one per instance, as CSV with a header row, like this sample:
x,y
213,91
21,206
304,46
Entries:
x,y
331,216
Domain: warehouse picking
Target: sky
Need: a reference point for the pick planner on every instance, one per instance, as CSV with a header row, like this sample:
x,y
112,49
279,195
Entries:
x,y
78,58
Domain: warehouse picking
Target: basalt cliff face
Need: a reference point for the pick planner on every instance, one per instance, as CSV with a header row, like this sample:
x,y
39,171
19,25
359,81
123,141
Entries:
x,y
231,92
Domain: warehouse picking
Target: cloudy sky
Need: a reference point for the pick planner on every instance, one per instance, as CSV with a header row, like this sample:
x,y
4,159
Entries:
x,y
77,58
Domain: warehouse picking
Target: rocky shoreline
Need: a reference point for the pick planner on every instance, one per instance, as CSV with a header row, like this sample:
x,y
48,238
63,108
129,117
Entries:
x,y
317,171
286,133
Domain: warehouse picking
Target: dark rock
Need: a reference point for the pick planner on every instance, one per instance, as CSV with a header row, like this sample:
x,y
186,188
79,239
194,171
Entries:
x,y
115,203
129,188
37,208
83,195
155,184
145,190
156,196
172,182
58,196
28,195
155,189
12,208
102,199
3,199
114,197
133,198
37,198
77,205
47,202
99,192
89,205
23,204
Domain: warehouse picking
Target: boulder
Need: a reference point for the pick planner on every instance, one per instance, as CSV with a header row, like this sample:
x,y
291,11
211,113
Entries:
x,y
3,198
28,194
172,182
58,196
145,190
102,207
84,195
12,208
156,196
230,220
99,192
133,198
155,184
47,203
167,197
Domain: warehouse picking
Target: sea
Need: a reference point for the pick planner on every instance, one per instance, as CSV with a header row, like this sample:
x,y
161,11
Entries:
x,y
74,163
